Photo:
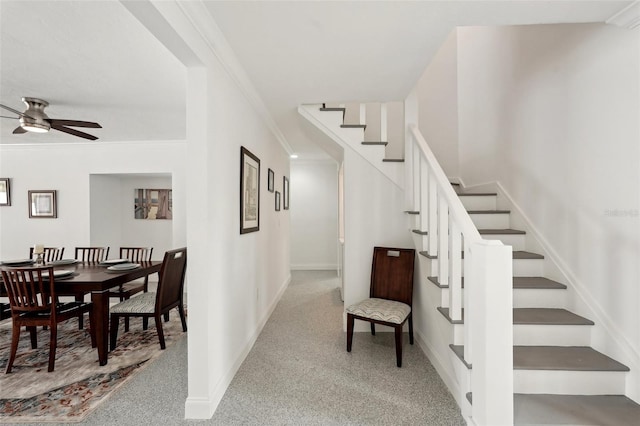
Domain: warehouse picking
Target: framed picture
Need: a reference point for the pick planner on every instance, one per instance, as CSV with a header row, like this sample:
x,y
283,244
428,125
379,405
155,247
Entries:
x,y
249,192
285,192
153,204
5,192
277,201
42,204
270,179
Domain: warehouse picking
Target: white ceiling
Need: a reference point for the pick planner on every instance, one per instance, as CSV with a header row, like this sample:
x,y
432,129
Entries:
x,y
92,60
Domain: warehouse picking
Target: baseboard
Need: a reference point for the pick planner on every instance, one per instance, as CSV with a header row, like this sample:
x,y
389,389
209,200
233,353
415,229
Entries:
x,y
315,267
201,408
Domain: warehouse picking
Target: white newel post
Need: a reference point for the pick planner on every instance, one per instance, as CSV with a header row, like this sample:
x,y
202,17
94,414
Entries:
x,y
491,318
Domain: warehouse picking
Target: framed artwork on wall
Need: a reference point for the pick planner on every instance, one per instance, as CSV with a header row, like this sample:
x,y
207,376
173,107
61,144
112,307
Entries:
x,y
249,192
42,204
5,192
277,201
270,179
285,192
153,204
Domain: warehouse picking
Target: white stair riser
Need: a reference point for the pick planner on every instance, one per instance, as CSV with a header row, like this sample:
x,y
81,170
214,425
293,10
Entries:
x,y
551,335
539,297
491,221
521,267
479,202
569,382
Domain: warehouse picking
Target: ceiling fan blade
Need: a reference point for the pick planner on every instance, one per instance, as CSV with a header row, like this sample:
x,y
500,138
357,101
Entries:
x,y
74,123
19,130
15,111
73,132
14,118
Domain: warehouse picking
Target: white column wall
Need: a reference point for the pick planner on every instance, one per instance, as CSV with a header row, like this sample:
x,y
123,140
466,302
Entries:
x,y
314,214
552,112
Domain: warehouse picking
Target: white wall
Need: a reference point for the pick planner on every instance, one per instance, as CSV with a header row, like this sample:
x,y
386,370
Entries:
x,y
374,216
552,113
437,92
314,214
67,168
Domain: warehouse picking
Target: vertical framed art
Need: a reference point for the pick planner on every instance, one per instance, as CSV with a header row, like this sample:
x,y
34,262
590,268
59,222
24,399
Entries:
x,y
270,180
5,192
249,192
277,201
285,193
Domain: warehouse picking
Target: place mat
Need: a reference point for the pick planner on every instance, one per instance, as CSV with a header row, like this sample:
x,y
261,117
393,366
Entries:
x,y
17,262
29,394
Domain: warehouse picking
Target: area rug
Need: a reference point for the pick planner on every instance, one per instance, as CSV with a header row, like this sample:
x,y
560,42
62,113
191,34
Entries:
x,y
29,394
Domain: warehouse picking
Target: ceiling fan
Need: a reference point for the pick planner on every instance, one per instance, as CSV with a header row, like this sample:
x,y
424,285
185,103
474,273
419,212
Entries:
x,y
35,120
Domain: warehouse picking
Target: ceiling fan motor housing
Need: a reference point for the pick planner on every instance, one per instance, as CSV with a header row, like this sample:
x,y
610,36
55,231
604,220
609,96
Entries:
x,y
34,118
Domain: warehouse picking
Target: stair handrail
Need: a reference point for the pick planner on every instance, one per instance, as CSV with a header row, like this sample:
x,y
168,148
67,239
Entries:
x,y
469,230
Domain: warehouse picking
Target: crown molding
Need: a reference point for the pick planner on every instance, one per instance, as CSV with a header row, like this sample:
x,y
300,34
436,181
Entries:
x,y
629,17
202,21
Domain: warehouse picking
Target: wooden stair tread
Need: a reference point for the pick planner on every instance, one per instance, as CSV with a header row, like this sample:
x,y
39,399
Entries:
x,y
341,109
489,211
507,231
353,126
419,232
533,316
520,283
412,212
516,254
557,358
393,160
587,410
374,143
481,194
548,316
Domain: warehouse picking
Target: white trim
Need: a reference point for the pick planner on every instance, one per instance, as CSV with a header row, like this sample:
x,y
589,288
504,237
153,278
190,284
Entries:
x,y
629,17
196,408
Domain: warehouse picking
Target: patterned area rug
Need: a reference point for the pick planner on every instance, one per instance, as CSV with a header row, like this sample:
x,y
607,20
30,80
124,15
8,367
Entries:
x,y
78,384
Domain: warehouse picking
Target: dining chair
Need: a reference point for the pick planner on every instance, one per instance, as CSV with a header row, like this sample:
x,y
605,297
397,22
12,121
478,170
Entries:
x,y
51,254
89,255
169,295
125,291
390,296
32,296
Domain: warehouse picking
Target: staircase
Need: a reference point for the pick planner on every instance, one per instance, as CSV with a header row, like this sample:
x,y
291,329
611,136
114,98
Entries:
x,y
557,377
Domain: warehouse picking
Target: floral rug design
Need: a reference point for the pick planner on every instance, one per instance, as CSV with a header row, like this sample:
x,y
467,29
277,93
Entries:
x,y
78,384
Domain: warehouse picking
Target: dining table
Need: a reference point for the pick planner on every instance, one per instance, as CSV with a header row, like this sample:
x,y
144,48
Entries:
x,y
97,279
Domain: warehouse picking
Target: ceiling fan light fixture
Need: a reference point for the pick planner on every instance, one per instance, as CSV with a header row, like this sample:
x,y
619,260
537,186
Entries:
x,y
35,128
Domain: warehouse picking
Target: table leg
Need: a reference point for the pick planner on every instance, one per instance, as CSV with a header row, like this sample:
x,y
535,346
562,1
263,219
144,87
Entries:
x,y
100,301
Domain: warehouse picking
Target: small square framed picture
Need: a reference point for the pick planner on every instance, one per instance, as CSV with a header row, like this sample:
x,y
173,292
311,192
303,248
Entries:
x,y
42,204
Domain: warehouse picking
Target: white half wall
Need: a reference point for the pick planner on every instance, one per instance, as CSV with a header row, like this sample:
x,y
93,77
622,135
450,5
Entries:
x,y
552,112
314,214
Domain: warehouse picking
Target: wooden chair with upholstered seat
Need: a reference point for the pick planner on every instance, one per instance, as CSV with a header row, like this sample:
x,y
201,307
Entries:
x,y
390,296
89,255
169,295
125,291
51,254
32,297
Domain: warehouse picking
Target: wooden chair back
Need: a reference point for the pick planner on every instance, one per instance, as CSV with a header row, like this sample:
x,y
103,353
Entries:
x,y
392,274
92,254
30,290
171,282
136,254
51,254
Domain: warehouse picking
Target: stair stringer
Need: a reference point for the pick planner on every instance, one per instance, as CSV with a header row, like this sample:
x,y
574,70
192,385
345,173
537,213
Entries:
x,y
329,123
605,335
